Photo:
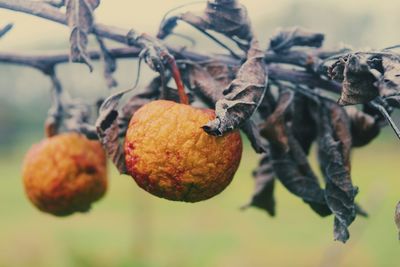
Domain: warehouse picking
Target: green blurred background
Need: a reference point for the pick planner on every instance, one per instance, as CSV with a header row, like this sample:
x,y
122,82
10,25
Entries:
x,y
130,227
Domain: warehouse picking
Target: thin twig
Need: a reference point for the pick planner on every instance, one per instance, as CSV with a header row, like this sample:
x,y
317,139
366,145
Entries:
x,y
44,61
5,29
212,37
385,114
55,3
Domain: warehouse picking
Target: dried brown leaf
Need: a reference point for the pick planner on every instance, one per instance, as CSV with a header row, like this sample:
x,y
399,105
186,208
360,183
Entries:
x,y
252,131
364,128
389,83
243,95
108,131
334,144
368,75
358,79
227,17
208,82
80,20
289,160
203,84
274,129
264,178
230,18
267,105
295,173
303,126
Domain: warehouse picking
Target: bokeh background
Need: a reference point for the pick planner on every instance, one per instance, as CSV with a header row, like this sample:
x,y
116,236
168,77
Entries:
x,y
130,227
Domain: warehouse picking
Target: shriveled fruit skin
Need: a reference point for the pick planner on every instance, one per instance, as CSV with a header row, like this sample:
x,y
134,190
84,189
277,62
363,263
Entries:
x,y
169,155
64,174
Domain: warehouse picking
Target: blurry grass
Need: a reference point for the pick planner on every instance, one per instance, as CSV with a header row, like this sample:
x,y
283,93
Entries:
x,y
132,228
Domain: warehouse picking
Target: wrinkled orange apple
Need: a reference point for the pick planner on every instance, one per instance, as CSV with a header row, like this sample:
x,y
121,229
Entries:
x,y
169,155
65,173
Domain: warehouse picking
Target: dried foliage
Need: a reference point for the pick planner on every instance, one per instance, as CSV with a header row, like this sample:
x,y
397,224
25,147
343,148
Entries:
x,y
242,96
288,158
108,132
228,17
282,124
366,76
208,81
304,127
264,178
285,39
334,145
80,19
364,127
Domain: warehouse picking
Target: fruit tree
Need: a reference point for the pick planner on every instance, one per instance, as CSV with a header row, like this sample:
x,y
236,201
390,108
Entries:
x,y
179,137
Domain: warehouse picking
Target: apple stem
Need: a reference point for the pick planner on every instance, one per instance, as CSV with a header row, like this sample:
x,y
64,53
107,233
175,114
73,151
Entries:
x,y
176,74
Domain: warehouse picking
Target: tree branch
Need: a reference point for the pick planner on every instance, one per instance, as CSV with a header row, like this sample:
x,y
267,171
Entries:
x,y
49,12
45,62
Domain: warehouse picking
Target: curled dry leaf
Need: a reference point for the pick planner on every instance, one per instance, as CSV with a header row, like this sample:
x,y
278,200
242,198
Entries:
x,y
357,79
274,129
252,131
200,81
243,95
228,17
264,177
80,20
364,128
289,160
285,39
208,82
397,217
267,105
108,131
334,145
303,126
221,72
389,83
366,76
294,171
